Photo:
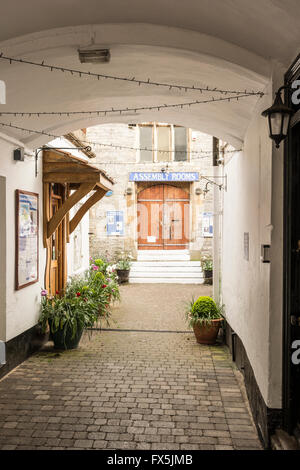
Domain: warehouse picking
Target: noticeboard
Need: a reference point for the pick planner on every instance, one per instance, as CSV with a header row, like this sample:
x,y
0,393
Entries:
x,y
207,224
27,238
115,223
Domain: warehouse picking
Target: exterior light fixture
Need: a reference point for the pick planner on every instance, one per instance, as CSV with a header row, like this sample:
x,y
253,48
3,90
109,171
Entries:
x,y
198,191
19,154
128,191
265,254
94,56
279,118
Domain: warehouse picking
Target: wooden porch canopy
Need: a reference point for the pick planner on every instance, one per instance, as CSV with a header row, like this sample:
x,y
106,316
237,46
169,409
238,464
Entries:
x,y
78,178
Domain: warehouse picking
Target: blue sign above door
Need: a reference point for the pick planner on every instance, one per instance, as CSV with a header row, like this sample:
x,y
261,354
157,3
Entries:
x,y
164,176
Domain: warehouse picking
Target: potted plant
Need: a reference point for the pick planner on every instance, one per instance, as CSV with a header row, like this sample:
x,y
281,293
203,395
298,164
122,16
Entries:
x,y
123,266
207,266
67,316
205,317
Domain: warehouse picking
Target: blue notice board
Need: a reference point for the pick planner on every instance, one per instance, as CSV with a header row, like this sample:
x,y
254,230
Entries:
x,y
115,223
207,224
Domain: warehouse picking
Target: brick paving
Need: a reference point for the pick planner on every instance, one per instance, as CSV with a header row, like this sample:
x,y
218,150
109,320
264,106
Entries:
x,y
130,390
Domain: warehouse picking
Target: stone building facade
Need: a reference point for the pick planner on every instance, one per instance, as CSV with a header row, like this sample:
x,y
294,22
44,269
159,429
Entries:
x,y
185,151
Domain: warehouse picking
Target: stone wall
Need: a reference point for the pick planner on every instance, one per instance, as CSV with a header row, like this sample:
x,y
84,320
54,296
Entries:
x,y
118,163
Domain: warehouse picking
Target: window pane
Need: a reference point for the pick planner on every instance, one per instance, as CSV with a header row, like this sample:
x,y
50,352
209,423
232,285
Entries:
x,y
180,143
163,143
146,141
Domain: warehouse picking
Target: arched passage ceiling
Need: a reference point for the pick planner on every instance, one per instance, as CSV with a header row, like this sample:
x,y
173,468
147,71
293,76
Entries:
x,y
225,44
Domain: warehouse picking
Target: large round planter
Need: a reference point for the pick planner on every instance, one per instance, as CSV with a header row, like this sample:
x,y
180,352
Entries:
x,y
207,334
123,275
66,342
208,275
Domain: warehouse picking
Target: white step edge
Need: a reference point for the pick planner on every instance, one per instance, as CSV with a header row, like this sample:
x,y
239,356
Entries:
x,y
170,269
142,280
160,258
168,275
166,263
163,251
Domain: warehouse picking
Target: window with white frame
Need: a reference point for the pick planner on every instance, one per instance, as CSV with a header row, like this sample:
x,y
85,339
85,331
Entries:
x,y
163,143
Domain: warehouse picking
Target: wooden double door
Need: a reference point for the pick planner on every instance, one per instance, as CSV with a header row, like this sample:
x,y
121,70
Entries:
x,y
163,218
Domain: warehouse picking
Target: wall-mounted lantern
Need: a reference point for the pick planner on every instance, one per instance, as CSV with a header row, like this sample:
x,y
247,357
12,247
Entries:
x,y
19,154
198,191
279,118
128,191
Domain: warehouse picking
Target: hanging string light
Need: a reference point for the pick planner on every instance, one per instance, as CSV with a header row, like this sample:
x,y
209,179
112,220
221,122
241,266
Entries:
x,y
111,146
139,82
120,111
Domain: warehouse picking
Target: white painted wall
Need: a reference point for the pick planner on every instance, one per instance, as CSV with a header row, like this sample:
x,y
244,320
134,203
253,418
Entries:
x,y
249,206
20,309
78,248
3,258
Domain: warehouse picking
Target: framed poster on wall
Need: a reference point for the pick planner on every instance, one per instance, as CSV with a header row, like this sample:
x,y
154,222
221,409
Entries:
x,y
27,238
115,223
207,224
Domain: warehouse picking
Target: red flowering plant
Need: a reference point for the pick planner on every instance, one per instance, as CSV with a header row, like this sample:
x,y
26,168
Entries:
x,y
103,275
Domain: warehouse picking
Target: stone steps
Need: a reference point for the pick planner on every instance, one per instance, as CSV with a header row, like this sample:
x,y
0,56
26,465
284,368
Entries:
x,y
160,255
163,266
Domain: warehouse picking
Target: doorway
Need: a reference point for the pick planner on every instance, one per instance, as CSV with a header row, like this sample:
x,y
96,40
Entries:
x,y
56,247
163,218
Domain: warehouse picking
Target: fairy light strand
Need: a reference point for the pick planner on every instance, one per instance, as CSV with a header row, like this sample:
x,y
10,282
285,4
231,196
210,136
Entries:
x,y
112,146
139,82
105,112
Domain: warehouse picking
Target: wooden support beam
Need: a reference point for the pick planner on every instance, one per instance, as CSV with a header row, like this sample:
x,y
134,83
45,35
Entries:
x,y
46,211
71,178
67,167
68,216
98,194
54,222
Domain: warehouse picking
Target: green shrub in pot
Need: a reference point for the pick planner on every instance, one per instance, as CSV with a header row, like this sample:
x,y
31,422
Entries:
x,y
205,317
67,317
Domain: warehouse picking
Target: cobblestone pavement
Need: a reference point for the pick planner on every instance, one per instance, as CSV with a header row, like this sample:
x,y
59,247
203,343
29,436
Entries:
x,y
129,390
156,307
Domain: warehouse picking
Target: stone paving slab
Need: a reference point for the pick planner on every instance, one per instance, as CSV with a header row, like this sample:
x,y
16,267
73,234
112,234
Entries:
x,y
127,390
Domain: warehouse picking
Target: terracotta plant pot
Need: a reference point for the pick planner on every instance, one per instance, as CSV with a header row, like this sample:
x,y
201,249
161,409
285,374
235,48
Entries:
x,y
207,334
123,275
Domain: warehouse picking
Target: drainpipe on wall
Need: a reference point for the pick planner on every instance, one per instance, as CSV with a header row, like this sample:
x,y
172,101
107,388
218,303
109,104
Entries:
x,y
216,223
